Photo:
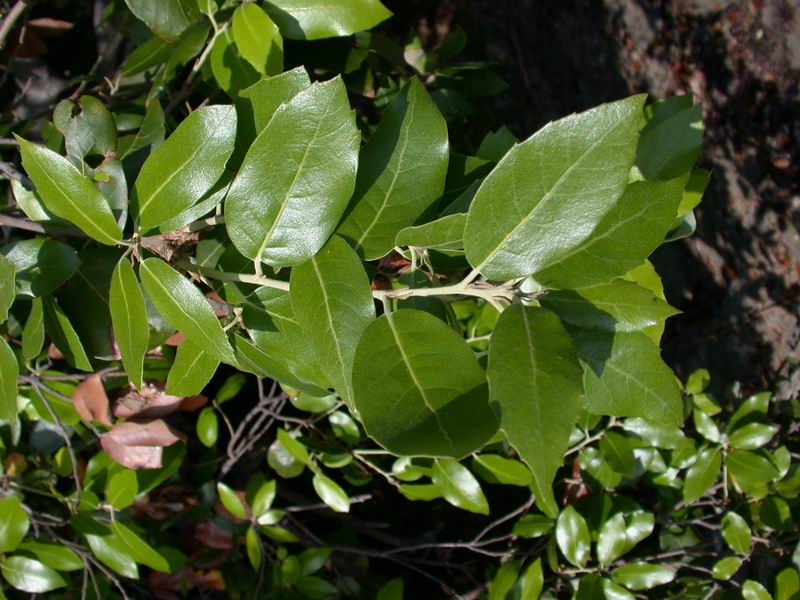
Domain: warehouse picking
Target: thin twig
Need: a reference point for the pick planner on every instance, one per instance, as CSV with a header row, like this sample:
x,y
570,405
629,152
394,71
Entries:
x,y
11,18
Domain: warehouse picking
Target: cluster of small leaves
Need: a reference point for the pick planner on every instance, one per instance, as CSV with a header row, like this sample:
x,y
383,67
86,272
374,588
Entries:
x,y
350,278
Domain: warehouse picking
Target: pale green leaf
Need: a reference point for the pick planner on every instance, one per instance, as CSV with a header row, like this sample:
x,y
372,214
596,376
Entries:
x,y
458,486
504,580
232,72
207,427
751,436
137,549
736,533
55,556
330,493
502,470
642,576
14,523
752,590
317,19
725,568
258,39
122,488
445,233
230,500
42,265
29,575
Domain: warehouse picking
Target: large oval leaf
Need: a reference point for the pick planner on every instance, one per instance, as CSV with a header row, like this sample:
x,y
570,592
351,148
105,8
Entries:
x,y
547,194
183,305
129,319
317,19
296,179
30,575
68,194
187,165
332,301
419,388
167,18
258,39
401,172
535,385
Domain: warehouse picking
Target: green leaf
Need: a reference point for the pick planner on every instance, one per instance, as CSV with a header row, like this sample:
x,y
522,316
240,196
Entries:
x,y
642,576
618,453
264,497
787,584
530,583
535,386
88,127
55,556
185,307
669,147
282,461
751,436
330,493
572,536
547,194
166,18
258,39
129,318
503,470
29,575
230,500
42,265
616,306
150,53
726,568
253,547
749,469
533,526
122,488
752,590
9,371
151,131
109,549
624,376
458,486
138,549
231,71
192,370
445,233
423,491
7,287
64,335
207,427
186,166
391,591
332,301
419,388
504,580
736,533
401,172
285,213
14,523
68,194
702,475
657,434
317,19
611,541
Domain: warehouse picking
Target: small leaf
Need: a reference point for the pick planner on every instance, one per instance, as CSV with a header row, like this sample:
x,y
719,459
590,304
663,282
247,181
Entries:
x,y
751,436
7,286
611,541
186,308
504,580
572,536
68,194
330,493
208,427
264,497
445,233
413,355
192,370
138,549
459,487
129,319
702,475
167,18
750,470
122,489
726,568
258,39
642,576
138,445
736,533
33,333
391,591
230,500
29,575
531,581
253,547
14,523
55,556
533,526
503,470
9,371
752,590
317,19
231,71
64,336
282,461
186,166
42,265
91,401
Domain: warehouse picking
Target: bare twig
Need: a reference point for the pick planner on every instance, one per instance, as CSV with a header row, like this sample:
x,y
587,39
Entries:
x,y
11,18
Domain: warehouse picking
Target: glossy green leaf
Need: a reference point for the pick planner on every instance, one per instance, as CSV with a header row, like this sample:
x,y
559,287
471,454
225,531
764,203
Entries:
x,y
283,462
122,488
258,39
316,19
445,233
616,306
530,583
14,523
129,318
9,371
549,193
192,370
669,147
503,470
262,501
458,486
332,301
702,475
752,590
42,265
185,307
642,576
535,385
29,575
166,18
230,500
736,533
111,551
87,125
611,541
293,446
138,549
533,526
618,453
231,71
504,580
751,436
186,166
64,336
726,568
419,389
657,434
253,547
68,194
207,427
750,469
572,536
625,376
330,493
787,584
310,144
7,286
150,53
55,556
401,172
151,131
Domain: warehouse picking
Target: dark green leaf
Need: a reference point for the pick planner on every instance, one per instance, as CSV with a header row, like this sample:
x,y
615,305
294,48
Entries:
x,y
503,470
533,526
231,71
7,286
167,18
137,549
316,19
702,475
42,265
9,371
669,147
750,470
192,370
129,318
64,335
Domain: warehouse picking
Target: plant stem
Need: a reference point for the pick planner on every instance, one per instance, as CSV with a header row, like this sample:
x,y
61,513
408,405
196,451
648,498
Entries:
x,y
12,17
